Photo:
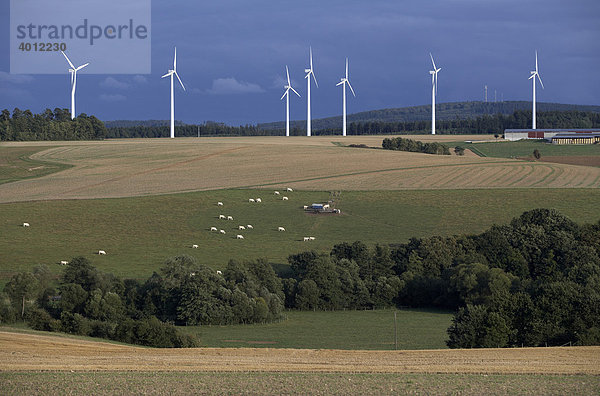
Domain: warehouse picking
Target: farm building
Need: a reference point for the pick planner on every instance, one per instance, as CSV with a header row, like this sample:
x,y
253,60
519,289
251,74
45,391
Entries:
x,y
576,138
547,134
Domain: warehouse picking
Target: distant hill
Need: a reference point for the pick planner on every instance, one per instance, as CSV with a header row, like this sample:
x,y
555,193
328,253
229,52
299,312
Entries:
x,y
134,123
443,111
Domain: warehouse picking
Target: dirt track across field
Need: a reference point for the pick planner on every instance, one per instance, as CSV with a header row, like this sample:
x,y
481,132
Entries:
x,y
28,352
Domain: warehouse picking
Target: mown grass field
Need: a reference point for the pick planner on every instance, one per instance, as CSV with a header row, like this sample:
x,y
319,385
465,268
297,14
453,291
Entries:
x,y
168,383
138,234
16,164
370,330
126,168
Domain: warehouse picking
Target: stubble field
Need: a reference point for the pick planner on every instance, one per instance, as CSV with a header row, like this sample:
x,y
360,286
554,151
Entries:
x,y
124,168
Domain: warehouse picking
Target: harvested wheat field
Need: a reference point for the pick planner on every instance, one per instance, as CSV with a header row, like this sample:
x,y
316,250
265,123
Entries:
x,y
24,352
122,168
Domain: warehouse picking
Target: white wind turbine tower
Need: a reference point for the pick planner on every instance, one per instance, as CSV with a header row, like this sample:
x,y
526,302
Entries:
x,y
309,72
286,95
434,78
73,70
535,73
171,73
343,82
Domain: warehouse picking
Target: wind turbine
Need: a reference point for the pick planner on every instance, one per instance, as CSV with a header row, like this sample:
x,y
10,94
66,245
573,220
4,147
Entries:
x,y
309,72
343,82
535,73
73,70
171,73
434,79
286,95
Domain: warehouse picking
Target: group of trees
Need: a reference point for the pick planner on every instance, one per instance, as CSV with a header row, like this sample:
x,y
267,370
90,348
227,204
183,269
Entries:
x,y
415,146
89,302
533,282
49,125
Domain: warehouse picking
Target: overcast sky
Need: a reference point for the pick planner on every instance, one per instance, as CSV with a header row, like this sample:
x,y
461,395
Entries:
x,y
232,56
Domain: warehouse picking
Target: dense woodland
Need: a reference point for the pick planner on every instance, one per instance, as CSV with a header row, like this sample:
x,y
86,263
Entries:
x,y
533,282
49,125
57,125
520,119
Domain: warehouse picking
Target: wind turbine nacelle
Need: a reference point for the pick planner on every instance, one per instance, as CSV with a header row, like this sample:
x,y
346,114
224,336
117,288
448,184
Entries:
x,y
431,72
307,70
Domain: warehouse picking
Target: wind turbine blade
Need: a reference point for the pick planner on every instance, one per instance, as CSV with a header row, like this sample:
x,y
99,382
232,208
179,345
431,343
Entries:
x,y
350,86
340,83
532,76
311,63
168,74
68,60
295,91
315,78
346,68
285,93
431,56
175,60
287,73
177,75
82,66
536,62
539,78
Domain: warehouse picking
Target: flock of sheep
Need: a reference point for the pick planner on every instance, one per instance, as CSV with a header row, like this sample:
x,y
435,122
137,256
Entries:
x,y
220,230
249,226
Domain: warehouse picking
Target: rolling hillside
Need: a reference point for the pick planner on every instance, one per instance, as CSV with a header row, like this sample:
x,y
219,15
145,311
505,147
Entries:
x,y
444,111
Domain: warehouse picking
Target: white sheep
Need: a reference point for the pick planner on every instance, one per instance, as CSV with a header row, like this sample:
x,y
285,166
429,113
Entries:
x,y
305,207
258,200
229,217
25,224
238,236
312,238
306,239
219,272
213,228
276,192
222,217
64,262
101,252
280,229
249,226
194,246
241,227
326,206
222,231
219,203
284,198
251,200
289,189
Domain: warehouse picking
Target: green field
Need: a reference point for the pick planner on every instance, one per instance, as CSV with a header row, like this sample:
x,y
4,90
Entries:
x,y
261,383
138,234
15,164
524,149
417,329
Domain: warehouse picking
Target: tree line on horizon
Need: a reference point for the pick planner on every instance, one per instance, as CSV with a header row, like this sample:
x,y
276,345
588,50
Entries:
x,y
57,125
532,282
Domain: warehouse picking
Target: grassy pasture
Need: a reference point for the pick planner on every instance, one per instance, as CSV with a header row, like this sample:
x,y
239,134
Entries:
x,y
274,383
140,233
524,149
417,329
16,164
